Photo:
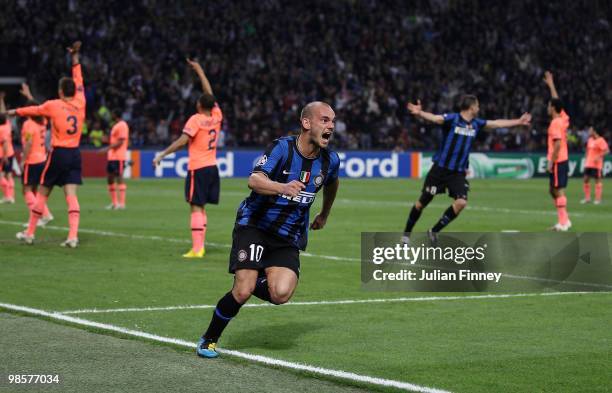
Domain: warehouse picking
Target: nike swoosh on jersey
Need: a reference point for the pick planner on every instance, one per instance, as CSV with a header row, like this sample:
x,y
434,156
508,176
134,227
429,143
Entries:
x,y
286,173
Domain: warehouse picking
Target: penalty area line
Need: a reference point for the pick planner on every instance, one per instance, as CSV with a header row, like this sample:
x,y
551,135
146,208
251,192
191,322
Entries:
x,y
243,355
323,302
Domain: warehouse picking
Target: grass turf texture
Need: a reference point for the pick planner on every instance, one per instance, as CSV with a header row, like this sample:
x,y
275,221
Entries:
x,y
516,344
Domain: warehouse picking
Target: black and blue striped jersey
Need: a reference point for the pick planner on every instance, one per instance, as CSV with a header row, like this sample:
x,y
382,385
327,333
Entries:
x,y
459,134
283,215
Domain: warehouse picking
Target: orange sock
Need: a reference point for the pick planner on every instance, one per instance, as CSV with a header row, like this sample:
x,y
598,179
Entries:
x,y
586,187
4,186
112,193
197,231
205,222
598,191
30,199
36,213
122,189
11,188
561,203
74,214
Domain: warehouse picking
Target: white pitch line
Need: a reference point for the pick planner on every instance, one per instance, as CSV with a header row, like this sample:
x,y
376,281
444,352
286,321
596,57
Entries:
x,y
168,239
255,358
324,302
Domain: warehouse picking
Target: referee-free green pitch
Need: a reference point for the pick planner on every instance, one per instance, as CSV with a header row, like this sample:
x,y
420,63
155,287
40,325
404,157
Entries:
x,y
132,259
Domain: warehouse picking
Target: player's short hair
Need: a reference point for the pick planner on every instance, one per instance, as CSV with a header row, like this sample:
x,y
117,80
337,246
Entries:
x,y
557,104
207,101
67,86
466,101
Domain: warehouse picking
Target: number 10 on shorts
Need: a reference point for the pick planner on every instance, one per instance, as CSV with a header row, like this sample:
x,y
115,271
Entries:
x,y
256,252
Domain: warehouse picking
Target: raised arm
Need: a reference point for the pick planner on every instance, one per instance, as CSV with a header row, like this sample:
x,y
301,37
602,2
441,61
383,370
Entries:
x,y
206,88
77,74
25,91
550,82
524,120
34,110
417,110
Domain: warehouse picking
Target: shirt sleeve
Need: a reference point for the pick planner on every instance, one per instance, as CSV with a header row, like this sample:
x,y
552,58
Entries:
x,y
36,110
449,117
191,128
334,168
480,124
273,158
603,145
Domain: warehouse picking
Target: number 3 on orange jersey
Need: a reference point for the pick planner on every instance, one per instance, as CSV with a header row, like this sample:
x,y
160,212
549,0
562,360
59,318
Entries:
x,y
73,120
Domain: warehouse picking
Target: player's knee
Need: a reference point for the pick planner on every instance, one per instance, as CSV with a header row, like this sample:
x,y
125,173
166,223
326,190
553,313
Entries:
x,y
242,293
280,294
460,204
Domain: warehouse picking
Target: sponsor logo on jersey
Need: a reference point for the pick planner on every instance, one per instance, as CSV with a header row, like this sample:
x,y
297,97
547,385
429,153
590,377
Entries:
x,y
303,197
465,131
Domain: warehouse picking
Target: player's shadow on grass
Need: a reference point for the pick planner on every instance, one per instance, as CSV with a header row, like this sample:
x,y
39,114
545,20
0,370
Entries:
x,y
273,336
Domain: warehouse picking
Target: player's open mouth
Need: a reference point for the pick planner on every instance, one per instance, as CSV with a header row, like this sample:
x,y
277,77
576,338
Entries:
x,y
327,135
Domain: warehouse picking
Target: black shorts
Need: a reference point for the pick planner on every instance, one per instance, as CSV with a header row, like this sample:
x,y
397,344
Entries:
x,y
440,179
255,249
593,172
558,177
202,186
115,167
63,167
32,173
8,167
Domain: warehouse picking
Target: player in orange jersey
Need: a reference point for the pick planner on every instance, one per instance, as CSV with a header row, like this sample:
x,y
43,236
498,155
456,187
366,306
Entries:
x,y
202,183
117,156
63,167
596,150
33,156
557,157
6,156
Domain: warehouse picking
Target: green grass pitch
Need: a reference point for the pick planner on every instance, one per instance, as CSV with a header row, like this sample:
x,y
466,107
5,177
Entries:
x,y
132,259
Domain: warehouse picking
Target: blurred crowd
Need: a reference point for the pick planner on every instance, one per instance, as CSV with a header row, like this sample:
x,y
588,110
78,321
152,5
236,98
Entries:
x,y
367,58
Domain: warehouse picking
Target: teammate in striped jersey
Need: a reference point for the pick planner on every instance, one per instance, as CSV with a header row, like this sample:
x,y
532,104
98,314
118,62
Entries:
x,y
452,158
272,223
